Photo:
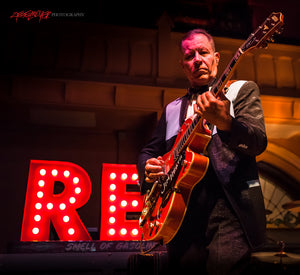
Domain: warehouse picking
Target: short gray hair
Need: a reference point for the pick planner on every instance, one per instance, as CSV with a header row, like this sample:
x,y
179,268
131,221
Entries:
x,y
198,31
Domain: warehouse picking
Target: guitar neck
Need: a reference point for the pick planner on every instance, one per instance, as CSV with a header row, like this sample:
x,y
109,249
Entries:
x,y
226,75
183,141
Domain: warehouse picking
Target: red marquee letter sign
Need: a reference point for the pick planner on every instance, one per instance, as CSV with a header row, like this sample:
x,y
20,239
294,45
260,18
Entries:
x,y
43,205
121,203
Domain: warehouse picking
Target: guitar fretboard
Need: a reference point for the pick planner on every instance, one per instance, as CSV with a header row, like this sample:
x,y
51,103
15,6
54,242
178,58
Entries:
x,y
183,141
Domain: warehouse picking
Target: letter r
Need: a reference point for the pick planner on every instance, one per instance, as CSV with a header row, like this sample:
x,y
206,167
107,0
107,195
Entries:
x,y
44,205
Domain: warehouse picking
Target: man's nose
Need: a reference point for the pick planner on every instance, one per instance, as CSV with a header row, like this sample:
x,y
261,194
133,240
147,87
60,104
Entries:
x,y
197,58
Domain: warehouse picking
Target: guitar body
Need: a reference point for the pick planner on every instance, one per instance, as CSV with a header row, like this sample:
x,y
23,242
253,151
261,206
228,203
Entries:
x,y
168,211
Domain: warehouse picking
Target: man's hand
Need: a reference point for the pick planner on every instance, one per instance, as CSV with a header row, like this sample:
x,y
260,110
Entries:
x,y
154,169
215,111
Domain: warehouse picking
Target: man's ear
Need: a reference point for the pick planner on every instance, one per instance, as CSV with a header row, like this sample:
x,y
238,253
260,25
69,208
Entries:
x,y
217,57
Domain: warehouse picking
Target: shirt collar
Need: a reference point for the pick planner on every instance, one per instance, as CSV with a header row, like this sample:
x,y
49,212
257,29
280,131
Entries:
x,y
192,91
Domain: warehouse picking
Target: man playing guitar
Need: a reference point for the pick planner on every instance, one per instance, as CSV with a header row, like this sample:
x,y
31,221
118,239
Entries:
x,y
225,217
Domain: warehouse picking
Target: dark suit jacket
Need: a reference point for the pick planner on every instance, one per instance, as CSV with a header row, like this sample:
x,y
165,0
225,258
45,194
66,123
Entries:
x,y
232,156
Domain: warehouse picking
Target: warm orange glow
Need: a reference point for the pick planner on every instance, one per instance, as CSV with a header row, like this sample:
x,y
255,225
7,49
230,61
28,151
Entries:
x,y
37,218
40,194
66,173
112,208
38,206
35,231
134,232
123,231
77,190
134,176
112,187
72,200
66,218
112,197
49,205
112,176
123,203
71,231
112,220
112,231
135,203
54,172
42,172
124,176
41,183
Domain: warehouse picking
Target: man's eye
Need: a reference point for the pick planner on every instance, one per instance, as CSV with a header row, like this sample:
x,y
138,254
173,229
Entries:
x,y
203,53
188,56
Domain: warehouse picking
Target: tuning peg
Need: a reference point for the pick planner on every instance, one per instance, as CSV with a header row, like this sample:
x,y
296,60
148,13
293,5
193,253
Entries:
x,y
264,45
279,31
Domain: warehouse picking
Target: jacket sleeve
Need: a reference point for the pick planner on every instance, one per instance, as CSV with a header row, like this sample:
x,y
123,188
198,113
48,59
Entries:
x,y
155,147
247,134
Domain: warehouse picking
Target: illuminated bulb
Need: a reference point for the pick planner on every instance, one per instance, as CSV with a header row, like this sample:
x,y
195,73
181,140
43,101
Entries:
x,y
134,232
134,203
49,205
112,197
41,183
123,203
77,190
37,218
38,206
54,172
112,176
134,177
66,174
112,220
72,200
112,208
35,230
71,231
66,218
111,231
75,180
112,187
42,172
40,194
124,176
62,206
123,231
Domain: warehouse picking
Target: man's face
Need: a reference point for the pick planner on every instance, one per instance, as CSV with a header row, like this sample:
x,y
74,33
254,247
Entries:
x,y
199,61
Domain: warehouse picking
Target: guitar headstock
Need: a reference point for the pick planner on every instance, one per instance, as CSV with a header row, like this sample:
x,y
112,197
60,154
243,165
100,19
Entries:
x,y
264,33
